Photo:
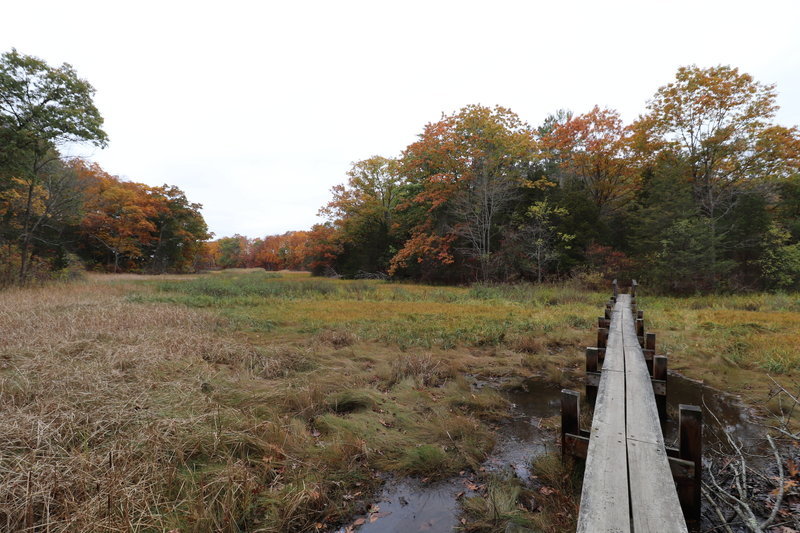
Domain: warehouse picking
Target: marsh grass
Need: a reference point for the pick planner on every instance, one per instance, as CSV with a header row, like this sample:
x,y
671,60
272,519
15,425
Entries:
x,y
252,401
124,413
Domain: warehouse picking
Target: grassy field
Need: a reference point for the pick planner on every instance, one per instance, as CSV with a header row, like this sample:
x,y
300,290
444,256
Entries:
x,y
248,401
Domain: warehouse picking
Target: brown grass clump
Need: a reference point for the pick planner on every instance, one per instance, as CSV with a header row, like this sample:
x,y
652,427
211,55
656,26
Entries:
x,y
337,338
532,344
424,369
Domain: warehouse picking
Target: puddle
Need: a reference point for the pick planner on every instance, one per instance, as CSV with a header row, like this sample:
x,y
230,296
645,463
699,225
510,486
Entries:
x,y
408,505
522,438
734,417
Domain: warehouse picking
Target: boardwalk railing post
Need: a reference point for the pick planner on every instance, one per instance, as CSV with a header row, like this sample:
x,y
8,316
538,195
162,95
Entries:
x,y
649,350
570,416
690,438
615,287
633,288
602,337
660,385
592,375
603,322
640,331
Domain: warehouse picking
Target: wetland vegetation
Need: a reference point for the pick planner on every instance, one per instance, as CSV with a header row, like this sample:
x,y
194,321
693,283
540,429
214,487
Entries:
x,y
254,401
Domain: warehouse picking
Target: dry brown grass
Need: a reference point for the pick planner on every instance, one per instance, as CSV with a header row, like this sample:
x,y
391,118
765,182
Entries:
x,y
104,402
120,415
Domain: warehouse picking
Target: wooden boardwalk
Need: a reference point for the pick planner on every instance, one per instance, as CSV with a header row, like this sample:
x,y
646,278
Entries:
x,y
630,476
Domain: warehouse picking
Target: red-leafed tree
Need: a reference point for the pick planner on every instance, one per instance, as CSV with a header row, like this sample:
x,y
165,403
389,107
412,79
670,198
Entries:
x,y
594,150
468,170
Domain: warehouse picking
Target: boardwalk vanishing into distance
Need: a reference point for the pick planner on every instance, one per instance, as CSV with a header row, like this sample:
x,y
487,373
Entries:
x,y
632,482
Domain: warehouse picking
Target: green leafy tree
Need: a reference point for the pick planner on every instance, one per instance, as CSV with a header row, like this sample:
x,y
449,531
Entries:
x,y
41,107
780,261
365,213
179,231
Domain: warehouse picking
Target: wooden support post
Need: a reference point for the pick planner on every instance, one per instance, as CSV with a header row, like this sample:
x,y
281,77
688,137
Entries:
x,y
650,341
602,337
640,314
607,313
615,288
690,438
633,288
603,322
649,350
640,327
660,391
570,415
592,374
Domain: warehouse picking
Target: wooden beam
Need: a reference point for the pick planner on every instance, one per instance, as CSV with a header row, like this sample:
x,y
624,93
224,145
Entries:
x,y
577,446
592,362
602,337
605,479
570,415
660,375
690,440
649,350
654,501
648,359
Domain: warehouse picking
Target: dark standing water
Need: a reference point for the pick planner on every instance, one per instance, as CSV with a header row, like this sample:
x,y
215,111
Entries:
x,y
406,505
734,418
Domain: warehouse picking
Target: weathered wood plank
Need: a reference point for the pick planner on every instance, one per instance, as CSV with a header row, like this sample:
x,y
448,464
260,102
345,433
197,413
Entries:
x,y
654,500
605,480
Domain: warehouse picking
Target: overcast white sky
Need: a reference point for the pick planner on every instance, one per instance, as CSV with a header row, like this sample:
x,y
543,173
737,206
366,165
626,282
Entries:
x,y
256,109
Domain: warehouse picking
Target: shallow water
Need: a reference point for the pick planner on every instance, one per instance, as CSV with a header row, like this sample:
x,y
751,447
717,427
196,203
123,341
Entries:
x,y
407,505
721,413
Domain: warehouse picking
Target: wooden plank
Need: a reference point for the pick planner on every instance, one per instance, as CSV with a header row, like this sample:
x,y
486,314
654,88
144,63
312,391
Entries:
x,y
605,479
654,500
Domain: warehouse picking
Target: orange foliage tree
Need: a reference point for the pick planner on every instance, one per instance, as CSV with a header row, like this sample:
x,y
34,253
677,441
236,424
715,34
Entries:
x,y
468,169
594,149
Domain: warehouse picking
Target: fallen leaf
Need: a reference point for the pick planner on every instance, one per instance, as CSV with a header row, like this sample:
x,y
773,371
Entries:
x,y
375,516
360,522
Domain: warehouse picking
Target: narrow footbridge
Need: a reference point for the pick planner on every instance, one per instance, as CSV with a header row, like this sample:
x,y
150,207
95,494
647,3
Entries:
x,y
632,482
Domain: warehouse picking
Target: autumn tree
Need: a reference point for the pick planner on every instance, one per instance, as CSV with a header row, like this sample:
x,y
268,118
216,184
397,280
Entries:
x,y
322,249
280,252
41,107
593,150
469,169
120,220
719,121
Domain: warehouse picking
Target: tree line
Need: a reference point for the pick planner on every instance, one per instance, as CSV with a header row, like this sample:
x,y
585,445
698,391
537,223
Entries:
x,y
60,214
701,192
